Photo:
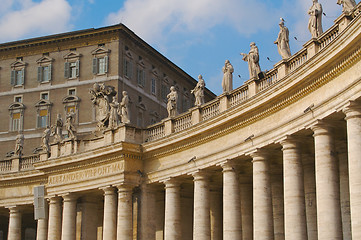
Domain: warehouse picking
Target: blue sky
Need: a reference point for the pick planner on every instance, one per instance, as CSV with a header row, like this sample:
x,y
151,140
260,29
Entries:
x,y
197,35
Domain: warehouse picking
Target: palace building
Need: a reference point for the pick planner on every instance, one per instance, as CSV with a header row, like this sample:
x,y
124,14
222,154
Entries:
x,y
277,158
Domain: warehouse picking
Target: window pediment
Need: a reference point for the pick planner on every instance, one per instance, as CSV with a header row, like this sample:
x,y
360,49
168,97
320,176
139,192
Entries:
x,y
16,106
43,102
72,55
141,106
71,99
100,50
18,64
45,59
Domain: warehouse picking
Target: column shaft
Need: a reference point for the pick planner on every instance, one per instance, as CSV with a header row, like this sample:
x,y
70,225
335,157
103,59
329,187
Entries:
x,y
246,209
54,224
262,199
148,212
216,214
69,218
327,185
172,223
110,214
294,197
125,212
14,232
353,119
89,219
42,229
232,225
201,220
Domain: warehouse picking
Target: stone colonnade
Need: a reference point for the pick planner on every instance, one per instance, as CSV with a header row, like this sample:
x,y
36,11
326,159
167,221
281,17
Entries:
x,y
312,199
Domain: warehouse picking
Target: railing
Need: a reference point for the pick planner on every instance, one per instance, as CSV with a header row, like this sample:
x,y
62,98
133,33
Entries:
x,y
5,166
271,77
183,122
27,162
298,60
238,96
155,132
328,38
210,110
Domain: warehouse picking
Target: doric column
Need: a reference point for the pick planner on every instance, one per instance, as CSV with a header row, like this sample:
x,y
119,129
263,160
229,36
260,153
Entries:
x,y
310,195
69,217
14,232
216,213
246,206
294,197
277,205
262,198
172,222
353,119
54,225
110,213
327,184
148,212
232,222
42,229
89,218
201,219
125,212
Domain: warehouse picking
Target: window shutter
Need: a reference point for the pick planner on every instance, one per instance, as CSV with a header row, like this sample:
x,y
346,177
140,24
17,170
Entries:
x,y
106,63
138,77
95,65
40,210
49,72
13,76
77,67
22,76
130,69
40,74
67,70
143,78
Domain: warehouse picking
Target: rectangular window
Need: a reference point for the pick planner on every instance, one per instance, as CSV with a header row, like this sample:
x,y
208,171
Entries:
x,y
71,69
128,68
15,122
141,77
44,96
17,77
100,65
153,87
72,91
44,73
70,109
164,92
18,99
43,118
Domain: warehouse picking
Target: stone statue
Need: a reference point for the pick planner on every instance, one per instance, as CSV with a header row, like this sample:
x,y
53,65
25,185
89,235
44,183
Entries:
x,y
283,41
347,5
315,20
57,129
253,61
227,81
198,91
172,102
19,144
101,96
45,140
69,125
113,116
124,106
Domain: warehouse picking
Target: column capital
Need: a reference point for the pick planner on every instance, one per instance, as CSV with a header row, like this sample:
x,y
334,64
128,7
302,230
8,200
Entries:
x,y
171,183
227,166
54,199
13,209
352,110
259,154
290,142
200,175
321,127
69,197
125,187
108,190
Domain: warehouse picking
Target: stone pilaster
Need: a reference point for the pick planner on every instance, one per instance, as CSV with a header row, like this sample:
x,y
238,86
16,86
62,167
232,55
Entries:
x,y
232,222
172,224
353,119
294,197
125,212
69,217
246,189
54,224
201,220
14,232
327,184
110,213
262,197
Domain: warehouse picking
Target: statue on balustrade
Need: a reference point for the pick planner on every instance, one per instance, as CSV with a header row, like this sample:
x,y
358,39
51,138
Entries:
x,y
315,20
124,107
172,102
57,129
227,81
101,97
283,41
69,125
198,91
45,140
347,5
113,116
253,61
19,144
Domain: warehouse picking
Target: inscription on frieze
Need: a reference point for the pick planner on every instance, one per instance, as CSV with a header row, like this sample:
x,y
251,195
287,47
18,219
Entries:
x,y
90,173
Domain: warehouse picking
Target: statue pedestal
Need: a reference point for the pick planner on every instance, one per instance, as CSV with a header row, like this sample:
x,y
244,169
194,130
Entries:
x,y
196,115
252,87
15,164
223,102
108,137
282,68
44,156
69,147
55,150
168,126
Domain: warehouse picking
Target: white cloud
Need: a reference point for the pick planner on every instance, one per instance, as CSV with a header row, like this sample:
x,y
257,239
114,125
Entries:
x,y
154,20
25,18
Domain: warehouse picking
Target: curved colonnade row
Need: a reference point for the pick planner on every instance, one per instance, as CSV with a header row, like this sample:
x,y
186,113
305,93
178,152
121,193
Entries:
x,y
282,163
